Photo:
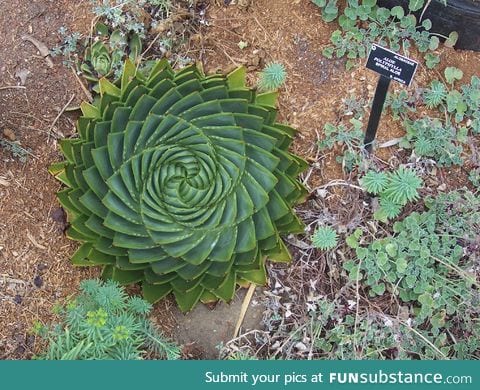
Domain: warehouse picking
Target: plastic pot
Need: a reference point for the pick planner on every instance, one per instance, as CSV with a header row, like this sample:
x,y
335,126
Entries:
x,y
462,16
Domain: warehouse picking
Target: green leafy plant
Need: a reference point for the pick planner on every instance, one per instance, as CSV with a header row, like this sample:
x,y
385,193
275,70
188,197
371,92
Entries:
x,y
324,238
401,104
353,106
104,53
431,60
103,323
349,139
363,23
374,182
427,262
395,189
272,77
457,105
127,15
474,177
122,26
182,182
402,186
17,150
440,136
329,9
335,331
434,139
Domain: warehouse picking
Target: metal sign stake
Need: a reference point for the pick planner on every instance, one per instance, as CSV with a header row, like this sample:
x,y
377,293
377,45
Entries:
x,y
376,113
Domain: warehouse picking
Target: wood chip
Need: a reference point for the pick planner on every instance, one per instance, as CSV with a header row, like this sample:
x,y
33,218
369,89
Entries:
x,y
4,182
34,242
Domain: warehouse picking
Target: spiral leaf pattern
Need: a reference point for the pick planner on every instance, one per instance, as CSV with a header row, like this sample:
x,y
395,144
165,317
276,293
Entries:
x,y
182,182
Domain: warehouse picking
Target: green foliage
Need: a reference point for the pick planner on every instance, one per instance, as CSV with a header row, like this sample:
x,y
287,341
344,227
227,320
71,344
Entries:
x,y
127,15
402,186
452,74
182,182
348,139
434,139
435,95
401,104
336,330
428,262
329,9
374,182
324,238
354,106
363,23
103,323
395,189
431,60
118,34
16,149
474,177
457,104
272,77
440,138
105,56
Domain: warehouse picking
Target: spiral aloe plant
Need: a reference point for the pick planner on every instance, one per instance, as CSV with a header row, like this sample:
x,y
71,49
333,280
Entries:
x,y
182,182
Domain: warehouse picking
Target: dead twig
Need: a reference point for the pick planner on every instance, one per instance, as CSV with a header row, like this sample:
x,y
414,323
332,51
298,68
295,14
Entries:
x,y
84,89
50,129
12,87
338,183
243,309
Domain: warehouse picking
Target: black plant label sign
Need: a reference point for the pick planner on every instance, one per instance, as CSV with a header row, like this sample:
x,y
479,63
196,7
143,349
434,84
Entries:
x,y
391,65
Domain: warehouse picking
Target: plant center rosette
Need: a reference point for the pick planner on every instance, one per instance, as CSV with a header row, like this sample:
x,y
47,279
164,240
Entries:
x,y
182,182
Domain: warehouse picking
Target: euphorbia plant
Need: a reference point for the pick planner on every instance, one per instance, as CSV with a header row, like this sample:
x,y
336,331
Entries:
x,y
182,182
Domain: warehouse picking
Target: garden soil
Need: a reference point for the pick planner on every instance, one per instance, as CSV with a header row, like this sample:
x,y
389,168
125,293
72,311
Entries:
x,y
35,272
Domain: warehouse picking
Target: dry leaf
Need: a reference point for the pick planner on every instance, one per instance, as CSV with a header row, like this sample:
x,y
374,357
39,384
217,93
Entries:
x,y
9,134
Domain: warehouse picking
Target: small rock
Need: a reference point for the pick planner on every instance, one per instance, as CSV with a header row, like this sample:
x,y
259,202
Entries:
x,y
18,299
38,281
300,347
59,215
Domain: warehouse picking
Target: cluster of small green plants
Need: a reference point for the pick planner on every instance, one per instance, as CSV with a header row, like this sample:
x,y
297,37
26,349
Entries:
x,y
103,323
121,29
450,117
363,22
